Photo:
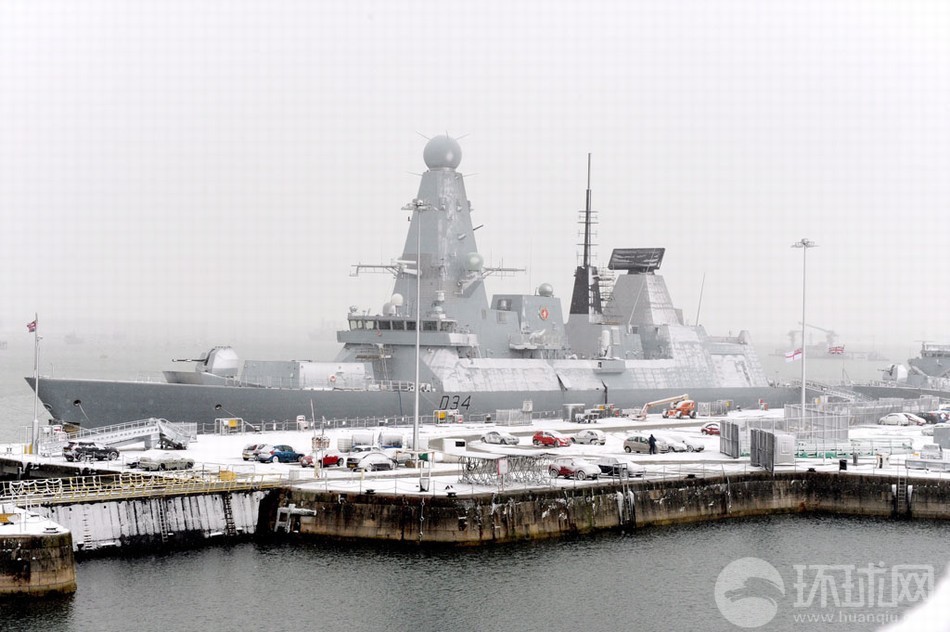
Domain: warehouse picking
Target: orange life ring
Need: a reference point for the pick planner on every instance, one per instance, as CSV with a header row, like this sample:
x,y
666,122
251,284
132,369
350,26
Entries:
x,y
332,379
543,313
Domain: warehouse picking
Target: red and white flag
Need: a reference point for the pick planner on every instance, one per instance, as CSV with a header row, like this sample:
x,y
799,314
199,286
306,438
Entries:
x,y
836,350
31,327
791,356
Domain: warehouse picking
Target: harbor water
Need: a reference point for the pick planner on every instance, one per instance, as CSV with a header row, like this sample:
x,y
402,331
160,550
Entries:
x,y
654,579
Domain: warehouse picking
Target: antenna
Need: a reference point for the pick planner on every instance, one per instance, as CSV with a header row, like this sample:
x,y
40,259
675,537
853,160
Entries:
x,y
587,218
698,307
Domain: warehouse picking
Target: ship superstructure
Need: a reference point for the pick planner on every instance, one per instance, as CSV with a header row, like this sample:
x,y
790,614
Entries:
x,y
624,346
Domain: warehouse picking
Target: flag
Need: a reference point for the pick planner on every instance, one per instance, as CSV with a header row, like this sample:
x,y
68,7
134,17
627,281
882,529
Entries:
x,y
31,327
836,350
791,356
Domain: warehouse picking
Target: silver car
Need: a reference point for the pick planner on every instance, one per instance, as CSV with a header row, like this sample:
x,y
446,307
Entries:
x,y
165,462
590,437
497,437
641,443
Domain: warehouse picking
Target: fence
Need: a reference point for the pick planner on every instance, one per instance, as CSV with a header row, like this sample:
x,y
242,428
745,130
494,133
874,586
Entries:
x,y
45,491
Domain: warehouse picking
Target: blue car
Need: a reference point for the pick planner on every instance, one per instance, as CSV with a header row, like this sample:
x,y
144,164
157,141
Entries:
x,y
279,454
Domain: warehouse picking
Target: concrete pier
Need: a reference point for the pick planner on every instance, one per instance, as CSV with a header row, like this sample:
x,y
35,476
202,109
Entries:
x,y
36,555
484,518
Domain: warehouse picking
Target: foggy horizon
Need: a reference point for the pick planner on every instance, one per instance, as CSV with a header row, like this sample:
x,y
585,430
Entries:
x,y
212,171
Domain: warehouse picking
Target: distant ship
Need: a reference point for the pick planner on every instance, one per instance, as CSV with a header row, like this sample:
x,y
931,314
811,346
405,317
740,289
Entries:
x,y
624,343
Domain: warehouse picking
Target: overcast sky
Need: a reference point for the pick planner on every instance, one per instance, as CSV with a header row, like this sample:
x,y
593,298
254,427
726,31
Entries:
x,y
222,165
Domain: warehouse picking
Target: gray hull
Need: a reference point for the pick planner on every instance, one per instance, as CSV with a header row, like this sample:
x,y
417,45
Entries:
x,y
109,402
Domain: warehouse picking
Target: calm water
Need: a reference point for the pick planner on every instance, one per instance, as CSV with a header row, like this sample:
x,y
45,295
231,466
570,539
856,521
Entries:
x,y
655,579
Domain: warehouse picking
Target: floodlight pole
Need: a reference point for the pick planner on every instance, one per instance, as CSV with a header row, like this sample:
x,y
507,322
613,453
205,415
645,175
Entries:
x,y
804,244
415,421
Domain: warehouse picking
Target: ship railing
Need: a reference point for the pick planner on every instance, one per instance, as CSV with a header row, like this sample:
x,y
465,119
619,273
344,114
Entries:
x,y
127,485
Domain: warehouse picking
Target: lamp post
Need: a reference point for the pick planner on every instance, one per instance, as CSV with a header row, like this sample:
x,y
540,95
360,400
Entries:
x,y
804,244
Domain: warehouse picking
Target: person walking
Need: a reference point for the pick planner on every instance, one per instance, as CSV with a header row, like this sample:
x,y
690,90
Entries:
x,y
652,443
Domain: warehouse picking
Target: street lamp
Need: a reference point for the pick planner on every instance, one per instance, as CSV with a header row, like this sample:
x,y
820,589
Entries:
x,y
804,244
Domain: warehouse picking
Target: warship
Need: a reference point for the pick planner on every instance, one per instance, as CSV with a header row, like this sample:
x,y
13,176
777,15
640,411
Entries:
x,y
623,342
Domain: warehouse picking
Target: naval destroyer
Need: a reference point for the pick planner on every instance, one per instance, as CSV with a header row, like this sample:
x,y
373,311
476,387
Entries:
x,y
622,343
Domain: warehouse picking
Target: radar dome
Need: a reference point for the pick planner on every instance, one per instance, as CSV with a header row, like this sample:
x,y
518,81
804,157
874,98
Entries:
x,y
545,289
473,262
442,152
396,299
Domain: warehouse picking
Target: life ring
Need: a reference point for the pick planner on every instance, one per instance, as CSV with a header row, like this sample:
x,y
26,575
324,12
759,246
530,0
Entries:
x,y
543,313
332,379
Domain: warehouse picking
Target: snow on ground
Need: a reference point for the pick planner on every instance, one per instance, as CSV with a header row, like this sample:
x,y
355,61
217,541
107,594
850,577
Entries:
x,y
213,453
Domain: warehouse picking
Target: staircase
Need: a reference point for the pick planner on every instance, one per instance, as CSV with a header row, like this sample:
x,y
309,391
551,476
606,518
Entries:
x,y
152,432
836,391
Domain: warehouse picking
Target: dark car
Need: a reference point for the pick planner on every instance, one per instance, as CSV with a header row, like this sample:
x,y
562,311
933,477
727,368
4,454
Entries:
x,y
619,467
89,451
712,428
279,454
934,416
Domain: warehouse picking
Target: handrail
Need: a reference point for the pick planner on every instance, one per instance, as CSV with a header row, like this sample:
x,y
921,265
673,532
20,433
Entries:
x,y
127,485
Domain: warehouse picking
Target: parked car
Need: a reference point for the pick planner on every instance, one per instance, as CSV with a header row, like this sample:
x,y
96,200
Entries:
x,y
373,462
89,451
675,443
692,444
573,467
164,462
398,455
250,451
931,417
928,431
619,467
329,459
590,437
498,437
901,419
550,439
712,428
641,443
279,454
914,420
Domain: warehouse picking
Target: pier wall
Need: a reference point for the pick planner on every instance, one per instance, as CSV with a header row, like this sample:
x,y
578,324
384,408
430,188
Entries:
x,y
544,513
163,520
37,565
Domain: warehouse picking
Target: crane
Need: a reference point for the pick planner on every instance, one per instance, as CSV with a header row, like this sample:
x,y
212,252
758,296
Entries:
x,y
830,336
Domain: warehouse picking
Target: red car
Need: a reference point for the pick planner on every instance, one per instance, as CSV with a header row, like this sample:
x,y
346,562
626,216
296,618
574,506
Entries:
x,y
550,439
712,428
329,460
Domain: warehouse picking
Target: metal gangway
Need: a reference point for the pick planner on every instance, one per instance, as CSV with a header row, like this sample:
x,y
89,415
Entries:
x,y
844,393
152,432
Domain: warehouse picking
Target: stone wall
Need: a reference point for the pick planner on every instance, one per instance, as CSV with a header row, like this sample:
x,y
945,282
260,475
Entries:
x,y
37,565
552,512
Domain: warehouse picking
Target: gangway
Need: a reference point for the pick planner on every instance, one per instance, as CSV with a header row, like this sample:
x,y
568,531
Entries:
x,y
846,394
153,432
